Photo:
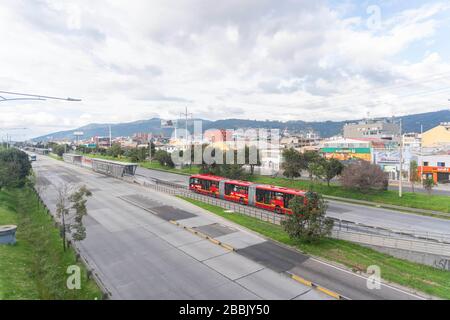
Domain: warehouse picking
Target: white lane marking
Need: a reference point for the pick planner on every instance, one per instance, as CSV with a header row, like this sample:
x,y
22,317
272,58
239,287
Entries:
x,y
365,278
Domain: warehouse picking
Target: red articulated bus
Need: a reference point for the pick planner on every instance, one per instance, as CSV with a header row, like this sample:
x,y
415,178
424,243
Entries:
x,y
244,192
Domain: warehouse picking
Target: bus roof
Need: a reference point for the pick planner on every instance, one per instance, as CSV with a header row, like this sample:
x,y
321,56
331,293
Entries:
x,y
208,177
239,182
282,189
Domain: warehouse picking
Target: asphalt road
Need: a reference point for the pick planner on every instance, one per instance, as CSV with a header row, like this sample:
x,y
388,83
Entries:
x,y
377,217
139,254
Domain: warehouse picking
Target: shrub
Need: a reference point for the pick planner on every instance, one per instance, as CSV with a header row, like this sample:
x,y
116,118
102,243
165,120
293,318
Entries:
x,y
364,176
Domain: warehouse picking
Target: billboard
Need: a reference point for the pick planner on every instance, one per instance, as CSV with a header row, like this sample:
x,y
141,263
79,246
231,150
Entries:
x,y
168,123
78,133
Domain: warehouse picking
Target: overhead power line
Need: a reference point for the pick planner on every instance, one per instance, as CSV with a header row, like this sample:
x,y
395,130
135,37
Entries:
x,y
27,96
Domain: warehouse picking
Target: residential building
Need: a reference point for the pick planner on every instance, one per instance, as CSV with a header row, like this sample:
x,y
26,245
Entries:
x,y
412,140
372,128
439,136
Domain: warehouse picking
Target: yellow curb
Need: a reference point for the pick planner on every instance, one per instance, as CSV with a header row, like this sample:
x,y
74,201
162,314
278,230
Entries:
x,y
301,280
227,246
329,292
214,241
200,234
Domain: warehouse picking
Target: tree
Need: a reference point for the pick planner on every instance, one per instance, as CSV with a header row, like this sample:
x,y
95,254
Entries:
x,y
164,158
78,200
9,176
138,154
58,149
293,163
15,167
413,173
364,176
311,159
315,169
252,150
67,200
331,168
62,208
115,150
429,184
307,221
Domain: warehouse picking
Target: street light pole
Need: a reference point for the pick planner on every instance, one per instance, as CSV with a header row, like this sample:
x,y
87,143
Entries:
x,y
400,184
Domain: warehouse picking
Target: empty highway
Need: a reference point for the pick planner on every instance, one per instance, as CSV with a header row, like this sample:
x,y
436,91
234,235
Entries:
x,y
139,254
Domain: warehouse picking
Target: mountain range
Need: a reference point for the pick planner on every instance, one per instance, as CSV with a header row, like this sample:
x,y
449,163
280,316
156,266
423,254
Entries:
x,y
411,123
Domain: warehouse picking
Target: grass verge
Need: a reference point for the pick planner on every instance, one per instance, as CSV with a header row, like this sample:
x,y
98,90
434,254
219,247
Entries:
x,y
55,156
420,277
35,267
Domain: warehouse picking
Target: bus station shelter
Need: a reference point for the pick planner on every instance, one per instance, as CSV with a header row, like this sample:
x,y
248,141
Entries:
x,y
73,158
114,168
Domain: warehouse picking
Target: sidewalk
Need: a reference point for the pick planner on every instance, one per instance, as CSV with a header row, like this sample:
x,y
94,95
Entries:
x,y
441,187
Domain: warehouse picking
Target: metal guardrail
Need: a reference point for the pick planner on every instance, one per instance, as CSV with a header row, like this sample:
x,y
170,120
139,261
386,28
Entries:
x,y
427,247
350,226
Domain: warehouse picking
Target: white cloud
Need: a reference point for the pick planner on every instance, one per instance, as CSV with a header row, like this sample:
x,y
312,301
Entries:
x,y
255,59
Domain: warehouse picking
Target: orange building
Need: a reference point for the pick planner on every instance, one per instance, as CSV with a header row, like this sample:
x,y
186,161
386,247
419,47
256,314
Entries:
x,y
436,167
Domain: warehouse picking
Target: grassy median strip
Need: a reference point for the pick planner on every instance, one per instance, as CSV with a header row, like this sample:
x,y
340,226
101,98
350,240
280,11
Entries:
x,y
35,267
55,156
420,277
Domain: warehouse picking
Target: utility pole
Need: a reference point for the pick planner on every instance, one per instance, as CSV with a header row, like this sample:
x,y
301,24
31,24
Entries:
x,y
400,184
110,137
186,115
421,154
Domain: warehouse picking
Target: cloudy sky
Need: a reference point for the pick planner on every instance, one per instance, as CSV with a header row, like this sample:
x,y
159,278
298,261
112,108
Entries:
x,y
252,59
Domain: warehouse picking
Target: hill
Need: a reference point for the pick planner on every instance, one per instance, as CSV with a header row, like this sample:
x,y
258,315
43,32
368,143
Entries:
x,y
411,123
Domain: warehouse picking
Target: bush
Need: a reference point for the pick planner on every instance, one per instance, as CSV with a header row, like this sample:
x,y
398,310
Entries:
x,y
364,176
308,222
14,168
164,158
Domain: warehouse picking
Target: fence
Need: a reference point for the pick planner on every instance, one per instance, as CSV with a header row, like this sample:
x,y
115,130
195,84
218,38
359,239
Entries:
x,y
427,247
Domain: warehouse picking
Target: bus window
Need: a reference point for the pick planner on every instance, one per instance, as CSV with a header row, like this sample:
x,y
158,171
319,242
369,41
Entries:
x,y
242,190
287,198
268,195
259,195
228,188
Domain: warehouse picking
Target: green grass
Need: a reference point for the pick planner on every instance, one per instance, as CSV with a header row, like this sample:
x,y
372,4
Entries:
x,y
35,267
154,165
420,277
55,156
409,199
